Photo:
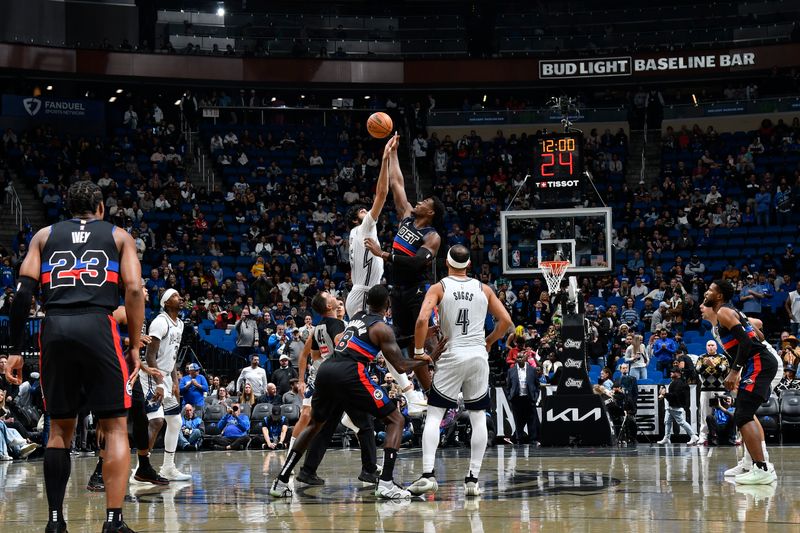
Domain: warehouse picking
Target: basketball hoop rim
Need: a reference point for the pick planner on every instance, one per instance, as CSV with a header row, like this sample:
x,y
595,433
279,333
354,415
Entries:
x,y
553,272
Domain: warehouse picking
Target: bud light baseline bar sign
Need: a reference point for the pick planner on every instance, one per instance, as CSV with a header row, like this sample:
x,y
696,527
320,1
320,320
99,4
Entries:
x,y
52,109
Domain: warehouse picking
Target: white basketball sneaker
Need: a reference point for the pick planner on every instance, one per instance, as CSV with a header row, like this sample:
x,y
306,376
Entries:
x,y
173,474
280,489
471,487
741,467
389,490
665,440
757,476
423,485
694,440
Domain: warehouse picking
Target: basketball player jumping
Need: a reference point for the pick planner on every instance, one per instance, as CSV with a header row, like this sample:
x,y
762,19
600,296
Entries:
x,y
323,341
365,267
752,371
343,383
414,248
464,364
161,388
80,264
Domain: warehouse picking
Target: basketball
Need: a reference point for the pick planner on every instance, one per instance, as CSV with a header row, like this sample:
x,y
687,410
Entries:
x,y
379,125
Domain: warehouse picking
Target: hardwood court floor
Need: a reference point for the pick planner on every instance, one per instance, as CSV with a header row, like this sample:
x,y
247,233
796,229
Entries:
x,y
656,489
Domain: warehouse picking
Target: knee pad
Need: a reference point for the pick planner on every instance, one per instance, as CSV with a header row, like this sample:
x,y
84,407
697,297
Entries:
x,y
746,406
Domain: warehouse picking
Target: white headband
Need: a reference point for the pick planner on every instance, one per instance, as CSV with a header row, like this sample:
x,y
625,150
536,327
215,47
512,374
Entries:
x,y
166,296
455,264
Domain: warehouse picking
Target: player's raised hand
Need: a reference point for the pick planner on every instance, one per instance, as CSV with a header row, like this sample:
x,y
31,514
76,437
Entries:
x,y
134,365
391,145
438,349
14,369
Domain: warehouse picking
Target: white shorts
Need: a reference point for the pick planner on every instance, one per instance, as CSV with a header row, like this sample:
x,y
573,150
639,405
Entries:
x,y
465,371
356,300
779,373
169,404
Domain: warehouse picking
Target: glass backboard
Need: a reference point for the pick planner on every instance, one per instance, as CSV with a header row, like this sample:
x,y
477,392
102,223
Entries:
x,y
581,236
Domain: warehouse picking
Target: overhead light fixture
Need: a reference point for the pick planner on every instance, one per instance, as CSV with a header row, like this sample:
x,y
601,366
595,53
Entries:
x,y
302,96
112,99
694,100
221,11
119,91
178,101
49,87
87,94
484,98
272,99
367,97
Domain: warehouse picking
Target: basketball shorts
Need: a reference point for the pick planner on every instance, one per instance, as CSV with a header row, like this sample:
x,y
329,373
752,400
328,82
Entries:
x,y
758,374
169,405
406,304
465,371
82,352
356,300
308,394
344,384
778,372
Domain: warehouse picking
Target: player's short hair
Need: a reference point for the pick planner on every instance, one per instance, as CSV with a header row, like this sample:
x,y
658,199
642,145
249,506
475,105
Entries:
x,y
439,210
459,253
378,298
725,288
320,303
84,197
352,213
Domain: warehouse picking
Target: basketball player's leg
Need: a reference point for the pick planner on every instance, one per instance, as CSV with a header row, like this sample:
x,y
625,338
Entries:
x,y
172,417
61,378
316,450
759,374
476,402
406,303
361,423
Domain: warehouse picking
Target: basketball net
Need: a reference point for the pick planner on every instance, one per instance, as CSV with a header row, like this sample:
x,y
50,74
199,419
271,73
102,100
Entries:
x,y
553,272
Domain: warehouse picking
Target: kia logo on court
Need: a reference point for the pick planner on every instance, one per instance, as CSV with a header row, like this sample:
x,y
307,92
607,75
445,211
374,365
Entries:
x,y
32,105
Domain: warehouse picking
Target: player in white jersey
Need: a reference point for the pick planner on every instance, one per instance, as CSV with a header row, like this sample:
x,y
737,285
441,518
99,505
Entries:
x,y
464,364
366,269
162,393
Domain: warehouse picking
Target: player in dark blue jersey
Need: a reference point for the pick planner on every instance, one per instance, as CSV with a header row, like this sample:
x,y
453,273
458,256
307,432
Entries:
x,y
82,264
752,371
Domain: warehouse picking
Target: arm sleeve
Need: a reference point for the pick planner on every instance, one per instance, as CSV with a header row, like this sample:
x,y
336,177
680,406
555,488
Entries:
x,y
367,224
744,346
419,262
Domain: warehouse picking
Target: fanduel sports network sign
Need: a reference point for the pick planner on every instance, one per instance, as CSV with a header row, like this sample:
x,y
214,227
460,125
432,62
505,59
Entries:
x,y
551,69
48,109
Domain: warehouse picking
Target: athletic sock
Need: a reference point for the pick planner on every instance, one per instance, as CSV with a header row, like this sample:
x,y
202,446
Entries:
x,y
389,457
291,461
430,436
478,441
764,450
98,470
114,516
762,466
57,468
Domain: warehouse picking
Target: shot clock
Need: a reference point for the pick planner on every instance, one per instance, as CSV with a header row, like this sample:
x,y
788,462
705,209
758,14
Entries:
x,y
558,160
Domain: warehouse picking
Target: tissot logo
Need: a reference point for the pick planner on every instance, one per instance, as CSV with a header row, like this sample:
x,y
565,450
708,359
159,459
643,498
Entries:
x,y
557,184
573,415
572,343
32,105
573,363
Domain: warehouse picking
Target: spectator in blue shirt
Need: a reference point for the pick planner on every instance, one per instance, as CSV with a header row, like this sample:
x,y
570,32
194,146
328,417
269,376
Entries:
x,y
235,426
6,274
630,315
193,388
192,428
751,297
605,379
763,203
664,350
274,429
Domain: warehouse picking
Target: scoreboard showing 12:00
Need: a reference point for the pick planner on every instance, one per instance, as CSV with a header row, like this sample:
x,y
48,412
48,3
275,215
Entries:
x,y
558,160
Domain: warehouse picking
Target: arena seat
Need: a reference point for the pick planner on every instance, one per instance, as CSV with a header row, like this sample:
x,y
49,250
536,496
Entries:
x,y
769,417
790,415
257,416
211,417
292,413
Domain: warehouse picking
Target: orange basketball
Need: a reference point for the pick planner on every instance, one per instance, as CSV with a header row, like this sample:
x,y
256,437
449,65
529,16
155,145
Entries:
x,y
379,125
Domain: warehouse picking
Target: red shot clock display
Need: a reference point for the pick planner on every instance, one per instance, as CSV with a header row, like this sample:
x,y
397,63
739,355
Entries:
x,y
558,160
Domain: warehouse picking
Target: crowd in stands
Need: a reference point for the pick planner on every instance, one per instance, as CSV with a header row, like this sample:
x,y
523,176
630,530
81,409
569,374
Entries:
x,y
249,254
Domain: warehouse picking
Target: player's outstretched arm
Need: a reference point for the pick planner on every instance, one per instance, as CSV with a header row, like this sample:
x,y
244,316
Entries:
x,y
730,320
27,287
302,363
502,320
382,336
398,185
382,188
432,299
